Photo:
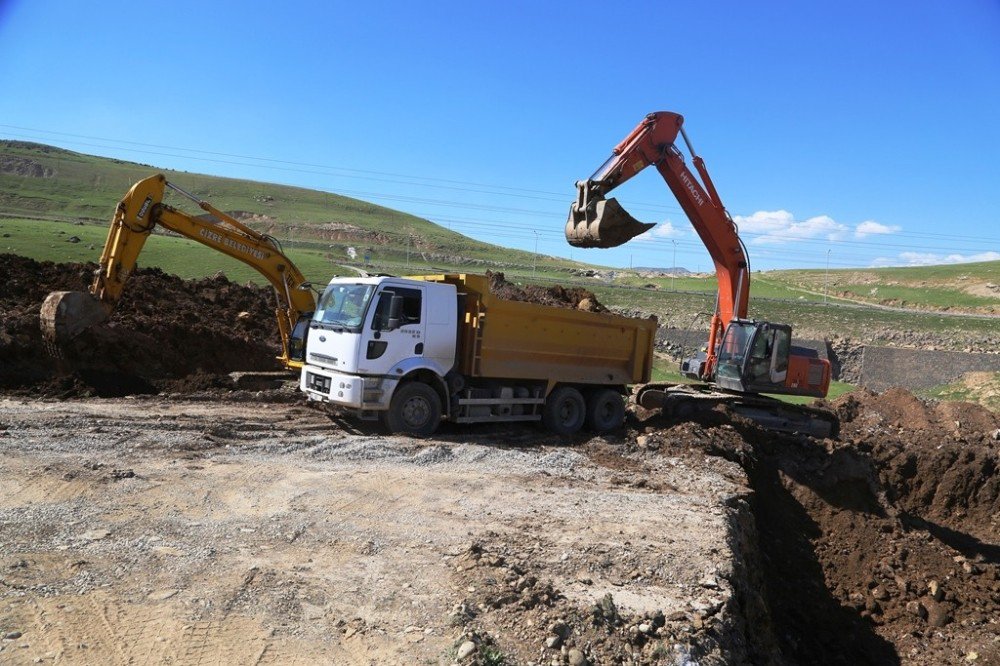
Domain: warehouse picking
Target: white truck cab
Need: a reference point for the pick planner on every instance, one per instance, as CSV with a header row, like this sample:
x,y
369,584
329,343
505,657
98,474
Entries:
x,y
368,334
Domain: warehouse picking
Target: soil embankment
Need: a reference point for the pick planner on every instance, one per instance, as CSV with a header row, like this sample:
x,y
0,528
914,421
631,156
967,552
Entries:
x,y
166,333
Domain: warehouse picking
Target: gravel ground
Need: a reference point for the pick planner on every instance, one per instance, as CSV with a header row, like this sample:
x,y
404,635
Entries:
x,y
159,530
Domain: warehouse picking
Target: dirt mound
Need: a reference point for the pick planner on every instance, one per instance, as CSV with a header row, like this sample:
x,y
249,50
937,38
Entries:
x,y
880,547
559,296
939,462
163,330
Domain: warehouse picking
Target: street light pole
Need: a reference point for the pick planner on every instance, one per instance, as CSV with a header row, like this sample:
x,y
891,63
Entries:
x,y
673,269
826,276
534,259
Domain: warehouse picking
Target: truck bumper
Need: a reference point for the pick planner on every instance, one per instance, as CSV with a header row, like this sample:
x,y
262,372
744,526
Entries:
x,y
349,391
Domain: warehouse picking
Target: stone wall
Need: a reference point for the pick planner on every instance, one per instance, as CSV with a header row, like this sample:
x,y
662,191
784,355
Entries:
x,y
672,340
882,367
875,368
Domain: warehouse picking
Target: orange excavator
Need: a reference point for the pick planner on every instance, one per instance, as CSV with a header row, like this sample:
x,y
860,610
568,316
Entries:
x,y
744,358
66,314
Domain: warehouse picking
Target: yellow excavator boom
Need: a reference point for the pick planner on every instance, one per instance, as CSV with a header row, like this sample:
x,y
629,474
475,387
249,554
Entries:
x,y
65,314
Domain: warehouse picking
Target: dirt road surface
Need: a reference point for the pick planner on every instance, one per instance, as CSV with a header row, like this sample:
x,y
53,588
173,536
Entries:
x,y
150,530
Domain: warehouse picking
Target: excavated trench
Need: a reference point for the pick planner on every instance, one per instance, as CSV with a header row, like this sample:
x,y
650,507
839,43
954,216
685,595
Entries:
x,y
880,547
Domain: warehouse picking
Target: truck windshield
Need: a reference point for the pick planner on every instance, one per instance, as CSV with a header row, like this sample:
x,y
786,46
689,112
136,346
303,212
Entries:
x,y
344,304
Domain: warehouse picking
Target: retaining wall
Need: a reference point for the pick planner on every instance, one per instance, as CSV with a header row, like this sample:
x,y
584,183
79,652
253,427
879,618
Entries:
x,y
882,367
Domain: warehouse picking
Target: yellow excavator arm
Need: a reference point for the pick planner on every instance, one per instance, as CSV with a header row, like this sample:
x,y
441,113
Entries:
x,y
66,314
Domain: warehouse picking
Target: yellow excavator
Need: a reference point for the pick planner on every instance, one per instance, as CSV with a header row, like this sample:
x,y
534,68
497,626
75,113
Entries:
x,y
66,314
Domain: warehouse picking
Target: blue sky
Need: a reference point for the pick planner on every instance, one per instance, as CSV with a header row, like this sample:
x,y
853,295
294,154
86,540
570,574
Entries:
x,y
866,133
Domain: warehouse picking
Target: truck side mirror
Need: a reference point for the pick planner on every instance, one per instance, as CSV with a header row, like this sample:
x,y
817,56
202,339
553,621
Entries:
x,y
395,313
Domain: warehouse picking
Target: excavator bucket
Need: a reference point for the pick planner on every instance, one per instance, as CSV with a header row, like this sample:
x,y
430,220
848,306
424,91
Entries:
x,y
66,314
602,223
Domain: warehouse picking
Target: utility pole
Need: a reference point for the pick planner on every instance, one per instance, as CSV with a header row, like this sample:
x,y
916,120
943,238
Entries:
x,y
826,275
408,239
630,262
673,269
534,260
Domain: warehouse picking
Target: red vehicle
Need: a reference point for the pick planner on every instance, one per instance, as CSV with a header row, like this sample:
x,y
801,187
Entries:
x,y
744,357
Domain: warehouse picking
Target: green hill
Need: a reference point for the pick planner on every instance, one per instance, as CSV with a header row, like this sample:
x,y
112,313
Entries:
x,y
47,193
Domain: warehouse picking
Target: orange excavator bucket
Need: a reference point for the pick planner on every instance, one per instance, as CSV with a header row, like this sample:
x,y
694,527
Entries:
x,y
66,314
598,222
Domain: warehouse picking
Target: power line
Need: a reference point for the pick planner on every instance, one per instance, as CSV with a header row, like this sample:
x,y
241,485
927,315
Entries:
x,y
518,192
526,212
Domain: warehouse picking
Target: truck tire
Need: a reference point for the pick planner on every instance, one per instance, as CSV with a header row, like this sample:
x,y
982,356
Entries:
x,y
605,410
415,410
564,411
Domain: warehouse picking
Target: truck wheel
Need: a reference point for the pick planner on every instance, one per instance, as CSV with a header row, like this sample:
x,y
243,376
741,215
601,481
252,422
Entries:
x,y
415,410
605,410
564,411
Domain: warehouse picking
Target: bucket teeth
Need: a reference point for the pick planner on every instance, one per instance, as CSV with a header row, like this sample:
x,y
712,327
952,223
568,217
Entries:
x,y
602,223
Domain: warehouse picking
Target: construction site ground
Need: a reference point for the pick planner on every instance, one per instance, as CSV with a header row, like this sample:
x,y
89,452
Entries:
x,y
156,511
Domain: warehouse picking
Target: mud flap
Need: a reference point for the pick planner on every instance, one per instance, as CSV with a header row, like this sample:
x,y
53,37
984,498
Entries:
x,y
602,223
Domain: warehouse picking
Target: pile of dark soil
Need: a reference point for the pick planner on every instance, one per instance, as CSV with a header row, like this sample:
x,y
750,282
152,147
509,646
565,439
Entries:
x,y
881,547
166,333
558,296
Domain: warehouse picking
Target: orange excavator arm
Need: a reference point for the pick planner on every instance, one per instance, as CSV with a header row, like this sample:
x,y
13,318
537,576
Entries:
x,y
66,314
598,222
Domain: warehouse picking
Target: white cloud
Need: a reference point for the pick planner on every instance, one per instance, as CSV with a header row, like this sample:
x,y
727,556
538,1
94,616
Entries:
x,y
932,259
665,229
780,226
872,228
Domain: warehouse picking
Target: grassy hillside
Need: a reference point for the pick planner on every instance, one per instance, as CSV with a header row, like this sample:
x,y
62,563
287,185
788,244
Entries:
x,y
953,287
972,288
44,184
981,387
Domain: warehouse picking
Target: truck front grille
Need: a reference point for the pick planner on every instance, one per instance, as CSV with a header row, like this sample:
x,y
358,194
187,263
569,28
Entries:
x,y
318,382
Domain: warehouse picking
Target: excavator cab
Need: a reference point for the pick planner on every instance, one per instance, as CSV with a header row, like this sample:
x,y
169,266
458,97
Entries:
x,y
758,357
598,222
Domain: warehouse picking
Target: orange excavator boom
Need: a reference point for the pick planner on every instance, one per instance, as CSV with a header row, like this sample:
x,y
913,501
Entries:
x,y
598,222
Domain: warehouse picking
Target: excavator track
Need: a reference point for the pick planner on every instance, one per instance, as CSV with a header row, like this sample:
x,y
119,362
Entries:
x,y
683,401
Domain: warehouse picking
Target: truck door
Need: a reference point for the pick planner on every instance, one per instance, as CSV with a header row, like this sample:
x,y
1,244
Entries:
x,y
396,329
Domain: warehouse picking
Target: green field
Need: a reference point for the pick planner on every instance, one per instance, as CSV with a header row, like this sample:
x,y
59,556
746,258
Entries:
x,y
980,387
971,287
49,241
49,184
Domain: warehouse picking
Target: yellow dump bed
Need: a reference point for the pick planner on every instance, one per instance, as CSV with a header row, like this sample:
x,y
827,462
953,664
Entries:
x,y
517,340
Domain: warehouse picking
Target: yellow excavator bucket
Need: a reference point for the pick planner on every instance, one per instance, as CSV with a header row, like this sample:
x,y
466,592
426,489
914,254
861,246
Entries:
x,y
66,314
600,222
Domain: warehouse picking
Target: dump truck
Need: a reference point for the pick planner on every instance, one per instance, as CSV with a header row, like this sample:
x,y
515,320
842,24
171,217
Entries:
x,y
414,351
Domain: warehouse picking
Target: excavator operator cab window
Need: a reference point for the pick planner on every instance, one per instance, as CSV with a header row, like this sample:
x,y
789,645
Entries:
x,y
760,357
769,357
779,359
733,350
